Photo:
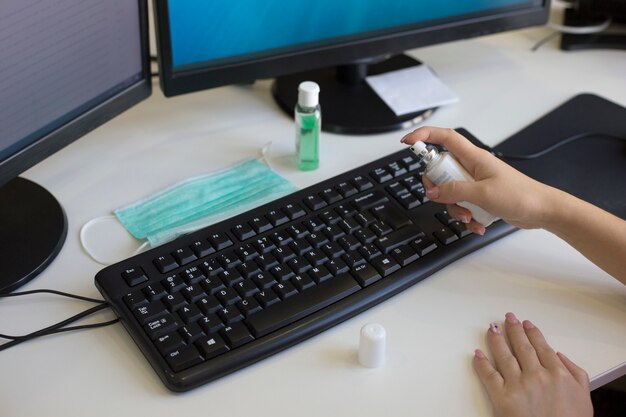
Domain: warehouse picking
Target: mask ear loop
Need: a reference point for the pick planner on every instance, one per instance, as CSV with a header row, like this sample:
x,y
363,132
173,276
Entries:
x,y
89,251
264,151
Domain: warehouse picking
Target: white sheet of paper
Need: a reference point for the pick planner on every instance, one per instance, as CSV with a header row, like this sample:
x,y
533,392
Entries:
x,y
412,89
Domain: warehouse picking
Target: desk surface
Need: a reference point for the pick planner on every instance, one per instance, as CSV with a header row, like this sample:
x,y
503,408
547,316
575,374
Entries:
x,y
432,328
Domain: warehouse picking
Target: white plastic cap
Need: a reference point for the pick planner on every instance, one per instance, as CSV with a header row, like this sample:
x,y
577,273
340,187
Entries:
x,y
308,94
372,345
419,148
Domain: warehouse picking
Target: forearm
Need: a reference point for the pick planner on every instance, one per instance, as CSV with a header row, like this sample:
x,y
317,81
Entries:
x,y
595,233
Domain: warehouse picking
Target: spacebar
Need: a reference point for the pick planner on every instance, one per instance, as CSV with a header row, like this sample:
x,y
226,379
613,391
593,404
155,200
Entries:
x,y
301,305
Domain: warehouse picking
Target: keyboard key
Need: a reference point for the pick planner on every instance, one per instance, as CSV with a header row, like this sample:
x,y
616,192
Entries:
x,y
445,235
346,189
211,346
392,215
173,283
315,202
381,175
302,305
330,195
395,239
246,252
230,315
260,224
362,183
404,255
249,306
228,296
161,325
168,343
184,255
174,301
192,275
246,288
366,274
154,291
320,274
424,245
149,311
409,201
183,358
264,280
267,297
285,289
193,293
459,229
190,313
237,334
220,241
209,305
397,169
294,211
135,299
302,282
411,162
368,200
202,248
277,217
190,332
243,231
385,265
134,276
165,263
211,324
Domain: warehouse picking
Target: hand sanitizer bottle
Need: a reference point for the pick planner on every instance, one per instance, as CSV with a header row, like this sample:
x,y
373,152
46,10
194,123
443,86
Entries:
x,y
441,168
308,125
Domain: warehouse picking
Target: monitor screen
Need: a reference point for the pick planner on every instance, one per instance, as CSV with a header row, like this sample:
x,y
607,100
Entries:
x,y
212,33
66,67
337,44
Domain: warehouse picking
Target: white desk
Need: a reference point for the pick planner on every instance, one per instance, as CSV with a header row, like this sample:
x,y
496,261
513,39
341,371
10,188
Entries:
x,y
432,328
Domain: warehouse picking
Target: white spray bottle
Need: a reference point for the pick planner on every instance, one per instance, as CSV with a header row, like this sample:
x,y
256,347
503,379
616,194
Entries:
x,y
441,168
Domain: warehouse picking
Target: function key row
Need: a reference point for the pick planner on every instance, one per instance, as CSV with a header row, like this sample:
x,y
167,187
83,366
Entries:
x,y
198,249
396,169
268,221
334,194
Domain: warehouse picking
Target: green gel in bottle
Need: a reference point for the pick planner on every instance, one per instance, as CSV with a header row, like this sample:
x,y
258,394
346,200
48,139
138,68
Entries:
x,y
308,117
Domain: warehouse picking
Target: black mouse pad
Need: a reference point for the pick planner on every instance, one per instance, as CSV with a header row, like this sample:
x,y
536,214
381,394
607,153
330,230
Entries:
x,y
592,168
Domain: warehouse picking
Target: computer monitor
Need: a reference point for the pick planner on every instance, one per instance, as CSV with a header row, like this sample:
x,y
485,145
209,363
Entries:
x,y
66,67
209,43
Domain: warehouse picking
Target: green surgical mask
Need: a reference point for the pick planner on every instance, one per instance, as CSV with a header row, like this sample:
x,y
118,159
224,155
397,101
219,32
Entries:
x,y
201,201
193,204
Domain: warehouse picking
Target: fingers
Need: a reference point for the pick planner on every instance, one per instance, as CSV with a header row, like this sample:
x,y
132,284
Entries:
x,y
456,143
577,372
522,348
465,216
504,360
545,353
488,375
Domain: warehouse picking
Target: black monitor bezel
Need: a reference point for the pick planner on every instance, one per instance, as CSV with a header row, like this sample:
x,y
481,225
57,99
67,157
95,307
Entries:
x,y
182,82
54,141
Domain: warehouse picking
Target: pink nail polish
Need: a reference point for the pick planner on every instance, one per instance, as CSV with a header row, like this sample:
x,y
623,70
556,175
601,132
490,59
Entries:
x,y
494,328
479,354
432,192
528,325
510,317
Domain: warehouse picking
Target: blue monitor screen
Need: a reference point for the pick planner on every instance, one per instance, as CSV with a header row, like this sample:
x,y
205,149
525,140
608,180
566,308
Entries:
x,y
212,32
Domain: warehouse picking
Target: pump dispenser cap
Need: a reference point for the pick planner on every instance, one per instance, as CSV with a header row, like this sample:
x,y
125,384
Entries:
x,y
419,148
372,345
308,94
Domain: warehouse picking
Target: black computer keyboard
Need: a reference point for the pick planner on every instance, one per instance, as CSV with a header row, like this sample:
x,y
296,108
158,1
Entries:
x,y
231,294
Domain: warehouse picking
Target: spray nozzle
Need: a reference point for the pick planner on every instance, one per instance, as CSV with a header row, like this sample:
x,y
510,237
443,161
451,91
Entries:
x,y
422,151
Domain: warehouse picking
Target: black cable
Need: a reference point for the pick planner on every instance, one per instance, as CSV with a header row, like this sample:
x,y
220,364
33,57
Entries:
x,y
558,145
60,326
61,293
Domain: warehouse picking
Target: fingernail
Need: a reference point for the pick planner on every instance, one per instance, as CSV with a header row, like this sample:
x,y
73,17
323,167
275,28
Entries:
x,y
465,219
479,354
528,325
510,318
494,328
432,192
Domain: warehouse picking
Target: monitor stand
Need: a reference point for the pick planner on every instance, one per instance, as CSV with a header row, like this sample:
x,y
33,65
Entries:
x,y
33,227
349,105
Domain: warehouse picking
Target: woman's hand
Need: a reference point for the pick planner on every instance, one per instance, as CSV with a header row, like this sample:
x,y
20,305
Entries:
x,y
527,378
498,188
